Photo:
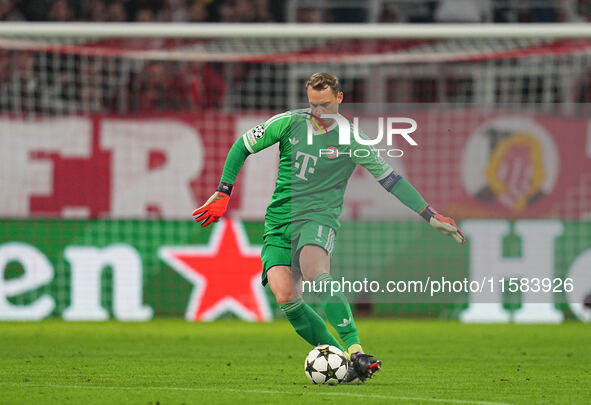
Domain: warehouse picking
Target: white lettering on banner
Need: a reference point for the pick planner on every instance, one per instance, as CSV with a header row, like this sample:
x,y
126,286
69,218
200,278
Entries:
x,y
134,182
37,271
486,260
21,175
87,265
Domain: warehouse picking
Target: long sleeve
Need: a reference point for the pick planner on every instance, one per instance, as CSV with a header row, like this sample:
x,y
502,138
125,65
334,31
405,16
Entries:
x,y
387,177
409,196
252,141
234,161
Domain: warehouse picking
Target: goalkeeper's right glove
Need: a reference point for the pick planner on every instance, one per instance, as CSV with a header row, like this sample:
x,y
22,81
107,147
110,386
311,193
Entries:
x,y
215,207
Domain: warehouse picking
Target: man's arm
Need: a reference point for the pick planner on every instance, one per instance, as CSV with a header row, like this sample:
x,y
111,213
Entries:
x,y
395,184
217,204
256,139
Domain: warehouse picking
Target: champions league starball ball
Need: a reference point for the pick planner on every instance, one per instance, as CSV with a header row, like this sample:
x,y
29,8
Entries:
x,y
326,365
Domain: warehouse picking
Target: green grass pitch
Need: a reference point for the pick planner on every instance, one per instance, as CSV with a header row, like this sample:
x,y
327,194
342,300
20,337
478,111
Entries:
x,y
176,362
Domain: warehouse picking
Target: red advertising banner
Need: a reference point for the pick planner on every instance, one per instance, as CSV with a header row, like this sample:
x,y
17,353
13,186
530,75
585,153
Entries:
x,y
467,163
472,163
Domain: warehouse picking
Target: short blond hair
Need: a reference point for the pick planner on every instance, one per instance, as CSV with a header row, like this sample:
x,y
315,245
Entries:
x,y
322,80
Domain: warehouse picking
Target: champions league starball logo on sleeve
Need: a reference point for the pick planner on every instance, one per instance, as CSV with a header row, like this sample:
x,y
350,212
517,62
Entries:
x,y
258,131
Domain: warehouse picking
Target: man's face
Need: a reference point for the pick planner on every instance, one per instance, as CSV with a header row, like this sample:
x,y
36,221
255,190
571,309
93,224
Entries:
x,y
324,101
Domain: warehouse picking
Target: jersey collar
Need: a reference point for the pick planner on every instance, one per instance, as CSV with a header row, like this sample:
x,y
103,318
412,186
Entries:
x,y
316,131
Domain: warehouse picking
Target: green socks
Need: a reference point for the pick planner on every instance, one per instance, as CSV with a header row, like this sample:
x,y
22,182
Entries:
x,y
337,310
308,324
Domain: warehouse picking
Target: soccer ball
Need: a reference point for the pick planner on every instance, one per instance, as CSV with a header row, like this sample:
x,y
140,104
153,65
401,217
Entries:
x,y
326,365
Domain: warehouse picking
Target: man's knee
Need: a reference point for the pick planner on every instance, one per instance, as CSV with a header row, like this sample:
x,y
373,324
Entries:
x,y
283,297
281,283
314,261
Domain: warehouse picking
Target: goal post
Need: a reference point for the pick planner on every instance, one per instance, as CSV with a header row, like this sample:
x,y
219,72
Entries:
x,y
294,30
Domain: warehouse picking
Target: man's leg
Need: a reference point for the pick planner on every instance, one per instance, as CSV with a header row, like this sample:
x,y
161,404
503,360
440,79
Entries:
x,y
315,265
307,323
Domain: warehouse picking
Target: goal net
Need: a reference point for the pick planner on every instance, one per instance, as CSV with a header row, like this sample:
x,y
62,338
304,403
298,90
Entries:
x,y
113,134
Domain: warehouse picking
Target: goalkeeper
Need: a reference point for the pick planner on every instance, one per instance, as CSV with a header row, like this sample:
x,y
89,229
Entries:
x,y
301,221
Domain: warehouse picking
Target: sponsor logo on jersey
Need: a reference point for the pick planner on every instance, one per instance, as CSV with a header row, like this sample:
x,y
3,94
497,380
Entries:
x,y
306,165
294,141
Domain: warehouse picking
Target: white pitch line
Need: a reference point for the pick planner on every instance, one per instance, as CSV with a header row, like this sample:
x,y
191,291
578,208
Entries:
x,y
197,389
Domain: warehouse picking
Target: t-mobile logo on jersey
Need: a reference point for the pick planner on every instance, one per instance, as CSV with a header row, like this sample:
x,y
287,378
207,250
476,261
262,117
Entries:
x,y
303,166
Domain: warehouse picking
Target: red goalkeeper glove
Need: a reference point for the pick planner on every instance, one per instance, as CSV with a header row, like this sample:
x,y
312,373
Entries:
x,y
215,207
443,224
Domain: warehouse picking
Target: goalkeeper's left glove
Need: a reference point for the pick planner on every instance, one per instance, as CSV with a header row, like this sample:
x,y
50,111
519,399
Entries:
x,y
215,207
443,224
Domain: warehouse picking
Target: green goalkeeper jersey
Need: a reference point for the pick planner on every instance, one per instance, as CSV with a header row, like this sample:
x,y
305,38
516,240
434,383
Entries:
x,y
313,168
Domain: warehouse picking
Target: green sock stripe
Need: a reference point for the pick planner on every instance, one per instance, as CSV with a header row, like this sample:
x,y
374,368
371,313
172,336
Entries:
x,y
323,277
322,285
292,305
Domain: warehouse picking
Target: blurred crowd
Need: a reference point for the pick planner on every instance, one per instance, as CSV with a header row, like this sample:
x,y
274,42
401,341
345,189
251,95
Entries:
x,y
69,82
49,83
317,11
141,10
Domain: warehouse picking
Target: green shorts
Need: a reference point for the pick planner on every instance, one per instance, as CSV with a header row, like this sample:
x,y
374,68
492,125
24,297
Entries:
x,y
282,245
